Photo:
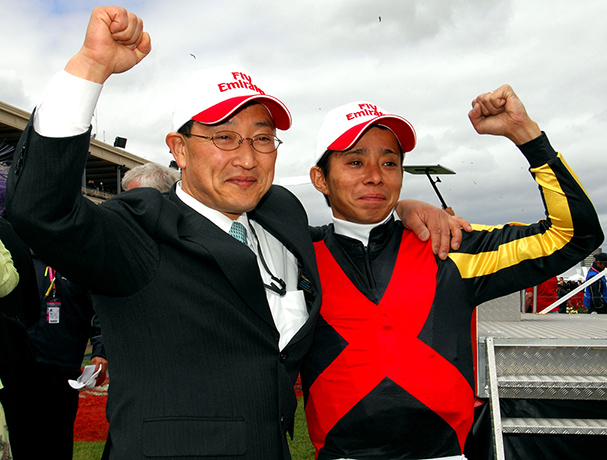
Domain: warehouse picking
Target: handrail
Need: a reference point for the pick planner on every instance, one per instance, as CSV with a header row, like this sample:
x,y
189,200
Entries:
x,y
582,286
97,193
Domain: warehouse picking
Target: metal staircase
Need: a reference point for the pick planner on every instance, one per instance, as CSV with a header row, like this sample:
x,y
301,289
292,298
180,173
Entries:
x,y
549,366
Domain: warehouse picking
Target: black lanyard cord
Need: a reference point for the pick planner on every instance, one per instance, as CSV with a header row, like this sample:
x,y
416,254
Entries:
x,y
281,288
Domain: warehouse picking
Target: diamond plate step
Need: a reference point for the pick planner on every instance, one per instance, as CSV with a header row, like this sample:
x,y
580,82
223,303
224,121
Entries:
x,y
554,426
553,386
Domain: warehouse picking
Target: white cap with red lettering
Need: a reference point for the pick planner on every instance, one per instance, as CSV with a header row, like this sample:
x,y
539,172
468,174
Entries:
x,y
344,125
213,95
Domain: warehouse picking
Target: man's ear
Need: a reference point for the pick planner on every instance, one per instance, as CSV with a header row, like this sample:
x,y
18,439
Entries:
x,y
176,143
318,180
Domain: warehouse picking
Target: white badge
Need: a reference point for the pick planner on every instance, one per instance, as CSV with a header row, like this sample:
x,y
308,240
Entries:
x,y
52,311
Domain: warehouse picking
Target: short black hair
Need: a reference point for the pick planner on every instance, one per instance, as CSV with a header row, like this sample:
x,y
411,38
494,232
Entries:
x,y
186,129
323,165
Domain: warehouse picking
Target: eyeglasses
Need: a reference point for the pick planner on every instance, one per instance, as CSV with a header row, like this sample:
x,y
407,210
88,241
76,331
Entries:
x,y
230,140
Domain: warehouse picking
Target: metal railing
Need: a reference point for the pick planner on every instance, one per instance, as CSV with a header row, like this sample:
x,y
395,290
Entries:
x,y
581,287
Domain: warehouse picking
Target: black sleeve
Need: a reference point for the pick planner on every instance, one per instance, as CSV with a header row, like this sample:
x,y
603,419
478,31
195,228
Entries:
x,y
497,260
319,233
97,339
45,205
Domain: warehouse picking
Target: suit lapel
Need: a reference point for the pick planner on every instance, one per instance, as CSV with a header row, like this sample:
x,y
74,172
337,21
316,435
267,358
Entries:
x,y
236,261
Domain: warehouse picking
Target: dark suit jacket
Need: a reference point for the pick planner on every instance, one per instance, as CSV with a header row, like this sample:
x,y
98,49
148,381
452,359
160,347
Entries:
x,y
195,368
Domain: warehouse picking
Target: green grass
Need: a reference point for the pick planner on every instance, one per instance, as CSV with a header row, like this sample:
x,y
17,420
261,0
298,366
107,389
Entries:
x,y
88,450
301,447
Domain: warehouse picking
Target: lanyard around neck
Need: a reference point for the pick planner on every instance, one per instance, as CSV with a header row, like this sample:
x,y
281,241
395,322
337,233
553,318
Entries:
x,y
281,287
51,276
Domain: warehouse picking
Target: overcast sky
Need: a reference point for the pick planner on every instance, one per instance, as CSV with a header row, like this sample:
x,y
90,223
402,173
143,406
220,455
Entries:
x,y
423,59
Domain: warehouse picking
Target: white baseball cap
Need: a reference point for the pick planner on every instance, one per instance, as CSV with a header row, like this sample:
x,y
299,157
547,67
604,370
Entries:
x,y
344,125
213,95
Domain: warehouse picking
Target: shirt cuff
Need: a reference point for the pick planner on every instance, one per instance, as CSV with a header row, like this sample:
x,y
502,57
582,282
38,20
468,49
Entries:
x,y
67,106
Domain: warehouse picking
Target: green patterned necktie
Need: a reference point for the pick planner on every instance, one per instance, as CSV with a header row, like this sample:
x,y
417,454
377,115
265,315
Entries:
x,y
238,231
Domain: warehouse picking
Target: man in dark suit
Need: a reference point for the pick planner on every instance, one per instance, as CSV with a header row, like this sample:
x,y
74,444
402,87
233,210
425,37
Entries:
x,y
205,335
203,363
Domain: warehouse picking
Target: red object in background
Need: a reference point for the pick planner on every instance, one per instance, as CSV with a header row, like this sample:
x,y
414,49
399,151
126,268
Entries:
x,y
577,301
546,294
91,423
298,390
100,379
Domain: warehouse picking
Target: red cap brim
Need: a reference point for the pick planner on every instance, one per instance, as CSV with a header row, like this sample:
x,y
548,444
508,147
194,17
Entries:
x,y
402,129
224,109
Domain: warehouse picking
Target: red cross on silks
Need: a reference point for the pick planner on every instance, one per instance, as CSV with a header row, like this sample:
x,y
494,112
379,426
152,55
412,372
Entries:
x,y
382,342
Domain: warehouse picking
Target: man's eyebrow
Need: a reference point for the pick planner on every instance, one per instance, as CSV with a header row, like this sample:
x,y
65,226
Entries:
x,y
265,124
356,151
390,151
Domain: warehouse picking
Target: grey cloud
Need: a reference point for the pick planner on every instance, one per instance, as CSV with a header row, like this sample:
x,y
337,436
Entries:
x,y
426,60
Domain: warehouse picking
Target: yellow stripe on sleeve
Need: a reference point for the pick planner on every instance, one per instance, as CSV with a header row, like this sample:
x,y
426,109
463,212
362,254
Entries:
x,y
529,247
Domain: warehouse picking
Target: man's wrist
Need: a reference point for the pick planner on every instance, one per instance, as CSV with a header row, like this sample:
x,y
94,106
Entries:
x,y
526,133
82,67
